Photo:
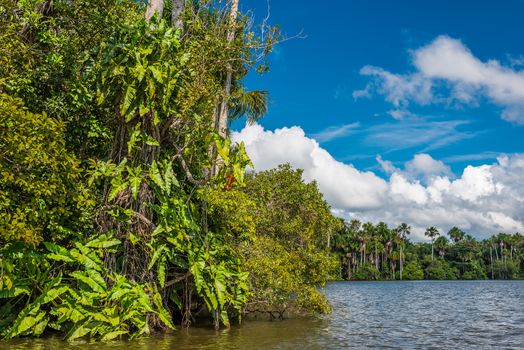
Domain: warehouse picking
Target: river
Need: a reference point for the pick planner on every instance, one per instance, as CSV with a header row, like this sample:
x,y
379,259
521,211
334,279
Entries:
x,y
389,315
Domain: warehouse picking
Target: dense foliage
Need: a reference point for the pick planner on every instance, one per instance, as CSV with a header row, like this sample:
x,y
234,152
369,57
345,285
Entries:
x,y
124,206
373,252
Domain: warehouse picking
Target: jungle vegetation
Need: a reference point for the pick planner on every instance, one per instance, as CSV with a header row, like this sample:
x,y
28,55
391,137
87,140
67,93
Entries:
x,y
125,208
379,252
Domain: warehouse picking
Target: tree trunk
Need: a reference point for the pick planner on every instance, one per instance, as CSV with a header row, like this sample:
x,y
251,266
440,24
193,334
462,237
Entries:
x,y
154,6
176,13
401,264
221,121
491,260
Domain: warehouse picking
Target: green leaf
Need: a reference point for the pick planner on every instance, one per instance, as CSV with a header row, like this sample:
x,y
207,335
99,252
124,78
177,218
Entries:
x,y
161,271
135,179
156,255
103,241
52,294
79,330
128,101
163,314
93,280
86,260
58,253
40,327
154,174
25,323
113,335
116,188
14,292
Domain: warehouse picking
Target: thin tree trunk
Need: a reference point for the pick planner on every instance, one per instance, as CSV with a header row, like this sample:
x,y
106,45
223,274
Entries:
x,y
376,257
178,7
491,260
221,122
401,264
154,6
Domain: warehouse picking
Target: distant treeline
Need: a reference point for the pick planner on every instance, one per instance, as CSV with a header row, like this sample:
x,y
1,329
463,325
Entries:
x,y
378,252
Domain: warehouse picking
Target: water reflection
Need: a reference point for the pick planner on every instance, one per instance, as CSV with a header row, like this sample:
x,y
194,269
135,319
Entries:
x,y
393,315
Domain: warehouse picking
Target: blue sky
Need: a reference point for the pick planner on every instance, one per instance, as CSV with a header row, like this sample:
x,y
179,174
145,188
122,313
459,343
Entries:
x,y
400,110
312,80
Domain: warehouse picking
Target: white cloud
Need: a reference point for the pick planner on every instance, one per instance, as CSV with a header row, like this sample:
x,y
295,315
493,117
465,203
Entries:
x,y
386,165
483,200
343,185
424,164
446,61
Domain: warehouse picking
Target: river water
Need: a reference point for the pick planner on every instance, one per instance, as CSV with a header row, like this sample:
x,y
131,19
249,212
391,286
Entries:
x,y
388,315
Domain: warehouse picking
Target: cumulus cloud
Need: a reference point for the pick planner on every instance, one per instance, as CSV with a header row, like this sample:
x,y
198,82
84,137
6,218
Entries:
x,y
343,185
447,61
424,164
483,200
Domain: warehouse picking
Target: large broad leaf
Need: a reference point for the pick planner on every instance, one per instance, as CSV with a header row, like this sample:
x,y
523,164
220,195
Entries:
x,y
220,287
161,271
135,179
116,188
96,284
113,335
156,255
14,292
154,174
163,314
58,253
52,294
40,327
127,101
79,330
103,241
86,260
23,324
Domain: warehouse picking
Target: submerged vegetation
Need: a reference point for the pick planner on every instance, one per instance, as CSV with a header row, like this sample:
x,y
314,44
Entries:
x,y
124,206
378,252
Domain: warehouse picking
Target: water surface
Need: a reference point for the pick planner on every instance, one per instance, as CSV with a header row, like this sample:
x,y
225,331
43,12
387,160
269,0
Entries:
x,y
388,315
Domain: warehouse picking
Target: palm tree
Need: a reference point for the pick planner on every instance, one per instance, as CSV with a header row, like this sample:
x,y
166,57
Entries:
x,y
403,230
441,244
251,104
456,234
384,234
432,233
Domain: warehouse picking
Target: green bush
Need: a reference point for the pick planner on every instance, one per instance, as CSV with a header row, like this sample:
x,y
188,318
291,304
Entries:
x,y
413,271
440,270
41,191
366,272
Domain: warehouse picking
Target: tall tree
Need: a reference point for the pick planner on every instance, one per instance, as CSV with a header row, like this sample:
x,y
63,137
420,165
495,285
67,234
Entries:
x,y
432,233
441,244
403,231
221,119
456,234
